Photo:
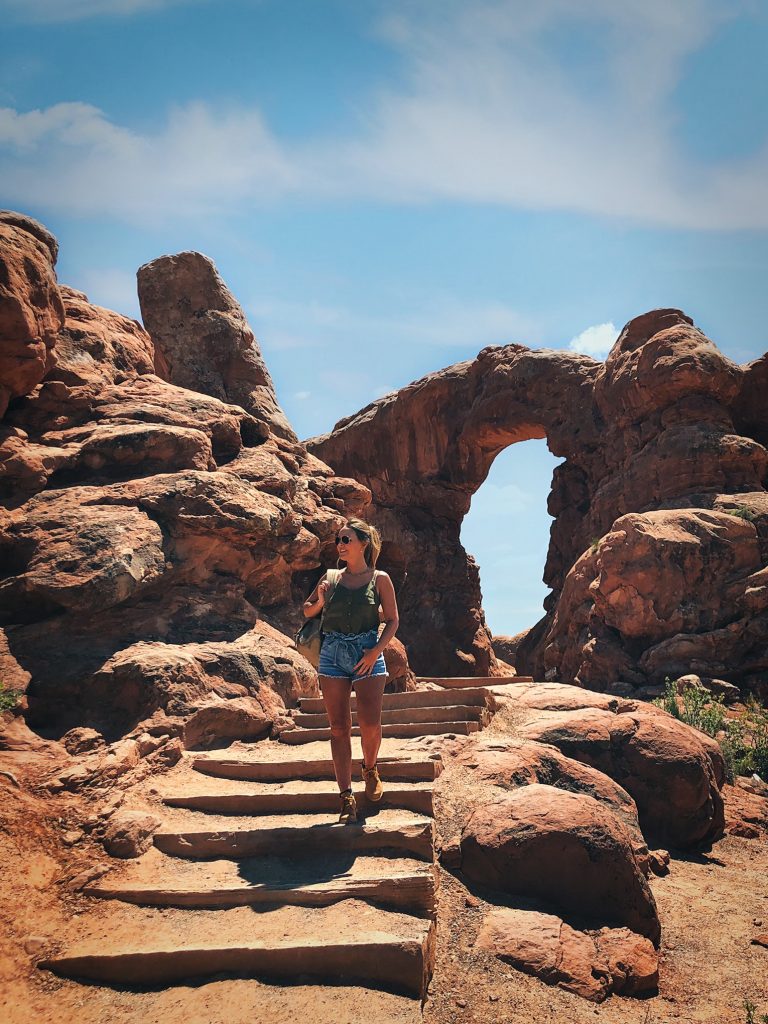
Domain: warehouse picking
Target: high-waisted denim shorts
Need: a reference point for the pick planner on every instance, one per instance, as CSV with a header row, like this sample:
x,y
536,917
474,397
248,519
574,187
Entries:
x,y
340,653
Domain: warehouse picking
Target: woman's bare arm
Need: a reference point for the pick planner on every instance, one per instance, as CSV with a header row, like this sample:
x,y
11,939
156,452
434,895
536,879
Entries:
x,y
316,600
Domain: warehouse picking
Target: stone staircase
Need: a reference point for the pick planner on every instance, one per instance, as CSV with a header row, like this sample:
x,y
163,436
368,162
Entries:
x,y
404,715
251,874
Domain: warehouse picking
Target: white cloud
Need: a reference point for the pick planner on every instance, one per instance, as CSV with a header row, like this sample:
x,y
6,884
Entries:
x,y
77,10
72,157
596,341
487,110
302,396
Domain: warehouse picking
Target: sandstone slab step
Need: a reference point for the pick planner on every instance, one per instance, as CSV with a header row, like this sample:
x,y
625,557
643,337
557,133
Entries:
x,y
460,682
401,731
349,943
192,834
391,769
319,880
241,798
447,713
475,695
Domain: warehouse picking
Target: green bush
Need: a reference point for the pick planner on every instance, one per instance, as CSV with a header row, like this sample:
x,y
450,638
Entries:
x,y
751,1017
744,742
742,512
8,698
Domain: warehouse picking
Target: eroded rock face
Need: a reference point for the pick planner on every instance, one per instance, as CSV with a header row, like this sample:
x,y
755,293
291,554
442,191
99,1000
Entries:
x,y
659,546
31,309
163,537
203,334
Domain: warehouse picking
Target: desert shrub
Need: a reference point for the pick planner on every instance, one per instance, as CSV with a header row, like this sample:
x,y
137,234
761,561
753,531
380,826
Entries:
x,y
750,1011
742,512
744,741
8,698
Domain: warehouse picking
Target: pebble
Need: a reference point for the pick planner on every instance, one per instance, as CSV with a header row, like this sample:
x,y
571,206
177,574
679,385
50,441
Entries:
x,y
472,901
757,922
461,1002
493,998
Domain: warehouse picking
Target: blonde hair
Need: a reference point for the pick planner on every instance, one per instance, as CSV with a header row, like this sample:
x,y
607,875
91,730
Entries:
x,y
364,531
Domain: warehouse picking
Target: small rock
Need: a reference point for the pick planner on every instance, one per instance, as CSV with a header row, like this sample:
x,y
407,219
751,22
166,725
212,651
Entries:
x,y
111,805
35,944
461,1002
659,861
130,834
760,940
493,998
757,922
82,740
71,837
85,877
472,901
450,855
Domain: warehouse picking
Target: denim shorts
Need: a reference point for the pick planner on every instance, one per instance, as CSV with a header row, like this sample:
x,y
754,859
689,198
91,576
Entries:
x,y
340,653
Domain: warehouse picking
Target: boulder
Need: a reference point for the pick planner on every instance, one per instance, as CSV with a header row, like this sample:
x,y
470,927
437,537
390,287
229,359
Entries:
x,y
672,771
243,718
718,687
590,964
508,764
566,849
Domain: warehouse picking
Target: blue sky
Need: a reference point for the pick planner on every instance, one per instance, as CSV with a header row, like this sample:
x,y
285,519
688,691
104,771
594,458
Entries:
x,y
389,187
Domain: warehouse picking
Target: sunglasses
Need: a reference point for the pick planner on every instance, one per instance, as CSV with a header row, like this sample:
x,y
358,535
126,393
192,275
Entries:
x,y
341,539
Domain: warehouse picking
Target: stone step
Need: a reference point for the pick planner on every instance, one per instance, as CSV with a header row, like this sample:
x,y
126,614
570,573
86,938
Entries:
x,y
475,695
403,731
191,834
460,682
322,879
347,943
447,713
242,798
391,769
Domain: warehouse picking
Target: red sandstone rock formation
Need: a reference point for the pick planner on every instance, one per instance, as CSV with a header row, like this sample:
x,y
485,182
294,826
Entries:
x,y
666,424
31,310
155,541
200,329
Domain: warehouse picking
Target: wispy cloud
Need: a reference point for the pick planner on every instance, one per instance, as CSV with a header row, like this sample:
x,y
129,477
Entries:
x,y
490,108
441,321
596,341
72,157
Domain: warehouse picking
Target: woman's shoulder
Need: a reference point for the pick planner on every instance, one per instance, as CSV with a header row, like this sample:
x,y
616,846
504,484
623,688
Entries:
x,y
380,574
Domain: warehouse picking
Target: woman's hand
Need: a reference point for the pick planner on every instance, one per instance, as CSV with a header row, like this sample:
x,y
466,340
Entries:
x,y
322,590
366,663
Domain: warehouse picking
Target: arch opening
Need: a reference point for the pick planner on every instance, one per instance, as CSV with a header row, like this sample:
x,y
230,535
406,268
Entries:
x,y
507,532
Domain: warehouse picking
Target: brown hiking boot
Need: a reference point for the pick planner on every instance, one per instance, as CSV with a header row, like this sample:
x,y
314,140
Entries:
x,y
373,787
348,814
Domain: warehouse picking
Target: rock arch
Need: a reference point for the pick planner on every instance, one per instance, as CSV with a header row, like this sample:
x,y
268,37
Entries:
x,y
651,428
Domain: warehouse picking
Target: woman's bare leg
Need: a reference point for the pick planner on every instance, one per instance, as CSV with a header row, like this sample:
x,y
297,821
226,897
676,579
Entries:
x,y
370,693
336,693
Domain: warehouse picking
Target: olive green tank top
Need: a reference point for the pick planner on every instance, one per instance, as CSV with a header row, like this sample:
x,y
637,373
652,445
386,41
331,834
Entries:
x,y
352,611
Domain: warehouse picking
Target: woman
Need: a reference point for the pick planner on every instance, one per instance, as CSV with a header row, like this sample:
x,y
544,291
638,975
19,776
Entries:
x,y
351,654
